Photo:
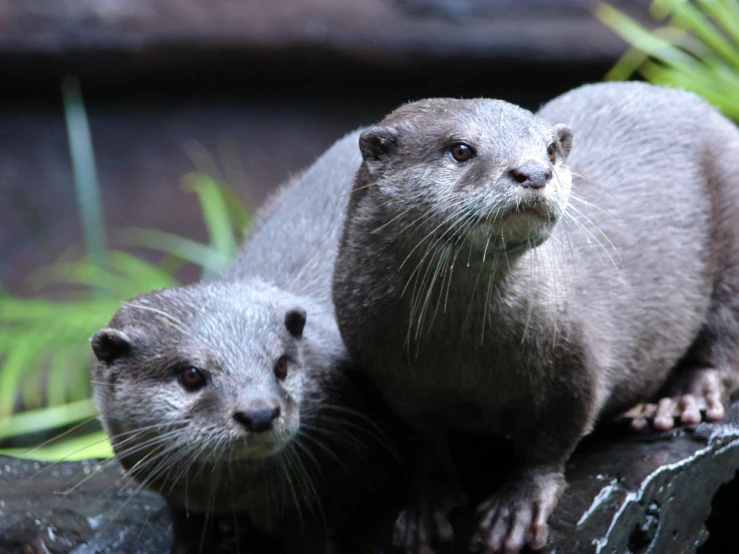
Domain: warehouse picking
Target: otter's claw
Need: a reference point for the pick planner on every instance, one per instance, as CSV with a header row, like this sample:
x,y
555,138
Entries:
x,y
417,528
694,396
517,516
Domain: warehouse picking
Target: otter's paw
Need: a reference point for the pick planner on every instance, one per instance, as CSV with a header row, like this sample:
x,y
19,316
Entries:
x,y
695,395
419,526
517,515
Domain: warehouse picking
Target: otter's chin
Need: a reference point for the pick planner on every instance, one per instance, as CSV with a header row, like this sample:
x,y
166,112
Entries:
x,y
515,230
255,446
257,450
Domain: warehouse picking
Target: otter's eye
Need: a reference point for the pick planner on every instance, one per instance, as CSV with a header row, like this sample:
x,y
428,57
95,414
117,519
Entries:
x,y
192,379
552,152
461,152
281,368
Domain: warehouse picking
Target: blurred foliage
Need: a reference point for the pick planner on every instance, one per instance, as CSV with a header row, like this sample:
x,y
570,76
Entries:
x,y
697,49
44,347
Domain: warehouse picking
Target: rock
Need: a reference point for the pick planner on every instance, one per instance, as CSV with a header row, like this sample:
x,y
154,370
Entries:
x,y
85,508
650,494
636,493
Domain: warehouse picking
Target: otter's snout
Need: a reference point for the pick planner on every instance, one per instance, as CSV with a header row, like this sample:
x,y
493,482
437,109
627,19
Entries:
x,y
532,175
258,420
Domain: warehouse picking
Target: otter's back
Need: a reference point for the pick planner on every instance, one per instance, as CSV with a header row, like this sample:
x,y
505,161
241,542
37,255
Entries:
x,y
295,247
641,237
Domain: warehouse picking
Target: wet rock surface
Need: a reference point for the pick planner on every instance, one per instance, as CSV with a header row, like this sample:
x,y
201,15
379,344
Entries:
x,y
85,508
627,493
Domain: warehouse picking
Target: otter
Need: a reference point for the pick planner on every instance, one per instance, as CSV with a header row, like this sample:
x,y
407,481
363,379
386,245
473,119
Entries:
x,y
236,399
532,274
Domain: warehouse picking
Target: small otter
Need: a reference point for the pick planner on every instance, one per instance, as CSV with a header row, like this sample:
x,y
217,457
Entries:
x,y
493,277
236,398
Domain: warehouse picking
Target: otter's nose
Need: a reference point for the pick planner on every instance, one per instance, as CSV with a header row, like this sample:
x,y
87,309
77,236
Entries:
x,y
257,421
532,175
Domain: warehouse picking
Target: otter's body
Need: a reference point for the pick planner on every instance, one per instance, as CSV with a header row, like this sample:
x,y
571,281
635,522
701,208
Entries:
x,y
230,402
295,247
502,292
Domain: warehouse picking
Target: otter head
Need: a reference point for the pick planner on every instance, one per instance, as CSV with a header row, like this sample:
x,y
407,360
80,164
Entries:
x,y
200,375
483,171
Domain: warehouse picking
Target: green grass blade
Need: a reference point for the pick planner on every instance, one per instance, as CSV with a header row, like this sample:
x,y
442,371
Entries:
x,y
626,65
239,213
723,15
633,58
723,98
62,363
141,273
34,421
186,249
31,386
68,318
84,273
94,445
647,41
692,19
24,353
731,6
216,217
79,381
85,173
126,277
203,161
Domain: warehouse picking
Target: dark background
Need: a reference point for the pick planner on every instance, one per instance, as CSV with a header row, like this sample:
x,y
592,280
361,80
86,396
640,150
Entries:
x,y
262,86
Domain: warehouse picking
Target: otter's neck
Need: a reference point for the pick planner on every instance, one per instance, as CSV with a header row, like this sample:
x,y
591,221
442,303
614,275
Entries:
x,y
469,289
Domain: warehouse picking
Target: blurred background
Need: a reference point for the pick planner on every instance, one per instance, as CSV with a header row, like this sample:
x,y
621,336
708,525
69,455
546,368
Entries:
x,y
261,87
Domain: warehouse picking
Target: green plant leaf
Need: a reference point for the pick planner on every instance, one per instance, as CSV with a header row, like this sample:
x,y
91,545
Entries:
x,y
645,40
691,18
238,212
60,365
34,421
24,353
185,249
94,445
85,173
691,52
216,217
31,386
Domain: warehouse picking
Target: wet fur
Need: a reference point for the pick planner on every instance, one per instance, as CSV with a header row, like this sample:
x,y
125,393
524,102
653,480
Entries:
x,y
637,282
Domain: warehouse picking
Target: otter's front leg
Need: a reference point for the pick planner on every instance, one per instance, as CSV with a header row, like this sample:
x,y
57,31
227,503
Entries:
x,y
517,514
433,492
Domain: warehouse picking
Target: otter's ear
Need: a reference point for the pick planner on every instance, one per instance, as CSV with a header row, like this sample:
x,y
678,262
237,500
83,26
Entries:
x,y
295,321
110,344
376,143
564,135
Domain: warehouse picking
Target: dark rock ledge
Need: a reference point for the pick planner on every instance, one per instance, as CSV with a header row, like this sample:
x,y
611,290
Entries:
x,y
627,493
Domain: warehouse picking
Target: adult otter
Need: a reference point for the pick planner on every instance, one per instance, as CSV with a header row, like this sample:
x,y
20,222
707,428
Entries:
x,y
227,400
482,287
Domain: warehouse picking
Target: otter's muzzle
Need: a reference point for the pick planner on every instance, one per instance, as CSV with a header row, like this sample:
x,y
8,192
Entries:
x,y
257,420
531,175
